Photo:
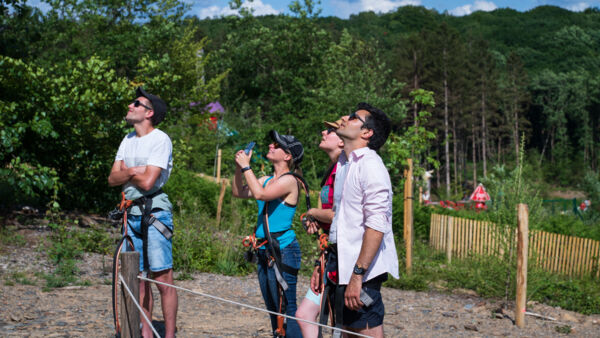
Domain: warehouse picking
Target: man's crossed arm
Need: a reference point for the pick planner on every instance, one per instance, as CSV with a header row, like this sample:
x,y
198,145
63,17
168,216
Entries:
x,y
143,177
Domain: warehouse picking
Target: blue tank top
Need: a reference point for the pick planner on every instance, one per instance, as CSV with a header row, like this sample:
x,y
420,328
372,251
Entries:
x,y
281,216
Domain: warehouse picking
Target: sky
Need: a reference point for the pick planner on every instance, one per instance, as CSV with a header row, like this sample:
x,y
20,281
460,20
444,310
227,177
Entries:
x,y
344,8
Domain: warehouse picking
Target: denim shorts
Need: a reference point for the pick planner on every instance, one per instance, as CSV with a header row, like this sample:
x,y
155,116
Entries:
x,y
160,250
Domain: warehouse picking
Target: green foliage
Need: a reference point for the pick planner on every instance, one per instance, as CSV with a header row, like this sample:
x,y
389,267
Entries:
x,y
190,192
579,294
569,225
421,218
79,108
65,247
564,329
69,98
414,142
591,186
199,246
63,250
97,240
20,278
8,236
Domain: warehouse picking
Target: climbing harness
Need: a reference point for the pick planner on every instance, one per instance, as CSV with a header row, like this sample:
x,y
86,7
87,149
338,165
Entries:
x,y
274,255
148,219
332,294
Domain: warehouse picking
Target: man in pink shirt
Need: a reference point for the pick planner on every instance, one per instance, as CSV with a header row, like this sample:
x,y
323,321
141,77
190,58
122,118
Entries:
x,y
363,243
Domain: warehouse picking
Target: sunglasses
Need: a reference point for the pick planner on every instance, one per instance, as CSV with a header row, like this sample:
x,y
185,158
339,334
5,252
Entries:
x,y
137,103
278,146
355,116
330,130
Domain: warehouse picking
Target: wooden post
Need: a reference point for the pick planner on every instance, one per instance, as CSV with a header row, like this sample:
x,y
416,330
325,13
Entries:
x,y
408,214
522,250
220,204
219,166
129,313
449,239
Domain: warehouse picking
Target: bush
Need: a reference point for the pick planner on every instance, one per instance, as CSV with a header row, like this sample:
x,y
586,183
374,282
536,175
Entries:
x,y
192,193
569,225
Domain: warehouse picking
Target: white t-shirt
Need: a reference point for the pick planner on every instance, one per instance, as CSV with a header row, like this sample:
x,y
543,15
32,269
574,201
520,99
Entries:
x,y
154,149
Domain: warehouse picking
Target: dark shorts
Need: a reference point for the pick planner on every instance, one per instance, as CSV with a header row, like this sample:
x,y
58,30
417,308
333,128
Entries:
x,y
368,316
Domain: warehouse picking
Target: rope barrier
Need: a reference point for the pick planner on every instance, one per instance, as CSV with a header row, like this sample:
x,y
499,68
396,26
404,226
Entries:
x,y
138,305
253,307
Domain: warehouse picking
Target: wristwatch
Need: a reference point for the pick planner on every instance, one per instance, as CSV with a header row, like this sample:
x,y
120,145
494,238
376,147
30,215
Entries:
x,y
359,270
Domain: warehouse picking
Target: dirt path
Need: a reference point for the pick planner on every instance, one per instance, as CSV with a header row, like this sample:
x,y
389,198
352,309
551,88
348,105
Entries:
x,y
84,311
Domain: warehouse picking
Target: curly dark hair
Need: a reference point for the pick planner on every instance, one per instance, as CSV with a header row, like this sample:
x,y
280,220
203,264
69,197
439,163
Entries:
x,y
378,122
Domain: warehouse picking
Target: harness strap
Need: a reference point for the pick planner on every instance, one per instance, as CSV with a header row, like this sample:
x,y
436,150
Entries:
x,y
325,312
161,227
276,260
339,309
145,225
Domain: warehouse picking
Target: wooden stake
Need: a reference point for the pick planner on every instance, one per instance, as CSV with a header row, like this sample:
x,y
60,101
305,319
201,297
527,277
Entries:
x,y
522,250
449,232
129,314
220,203
218,166
408,215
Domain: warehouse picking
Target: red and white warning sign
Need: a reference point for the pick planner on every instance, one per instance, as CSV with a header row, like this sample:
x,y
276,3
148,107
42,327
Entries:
x,y
480,195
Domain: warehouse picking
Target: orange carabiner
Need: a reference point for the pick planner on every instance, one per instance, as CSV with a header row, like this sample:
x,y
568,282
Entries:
x,y
323,241
249,240
125,203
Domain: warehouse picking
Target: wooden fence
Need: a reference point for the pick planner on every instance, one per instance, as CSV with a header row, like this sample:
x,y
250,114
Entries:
x,y
562,254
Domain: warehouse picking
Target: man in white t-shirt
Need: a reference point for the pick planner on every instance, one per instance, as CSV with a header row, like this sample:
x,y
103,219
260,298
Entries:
x,y
142,166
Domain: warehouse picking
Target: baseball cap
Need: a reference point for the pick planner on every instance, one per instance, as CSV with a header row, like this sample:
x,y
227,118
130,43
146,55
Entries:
x,y
158,105
290,144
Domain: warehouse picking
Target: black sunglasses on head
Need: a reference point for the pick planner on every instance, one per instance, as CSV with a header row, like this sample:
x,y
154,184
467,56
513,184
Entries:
x,y
137,103
330,130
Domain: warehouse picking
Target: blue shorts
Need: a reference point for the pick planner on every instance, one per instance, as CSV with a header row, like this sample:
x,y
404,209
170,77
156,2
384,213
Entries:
x,y
160,250
313,297
371,316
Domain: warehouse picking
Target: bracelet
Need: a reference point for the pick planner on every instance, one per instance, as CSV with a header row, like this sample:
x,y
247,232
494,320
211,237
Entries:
x,y
244,169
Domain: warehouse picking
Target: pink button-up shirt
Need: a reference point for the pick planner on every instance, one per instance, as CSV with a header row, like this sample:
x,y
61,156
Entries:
x,y
366,201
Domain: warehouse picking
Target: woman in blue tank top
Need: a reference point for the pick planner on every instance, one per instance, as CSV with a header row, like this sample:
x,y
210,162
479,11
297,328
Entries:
x,y
280,193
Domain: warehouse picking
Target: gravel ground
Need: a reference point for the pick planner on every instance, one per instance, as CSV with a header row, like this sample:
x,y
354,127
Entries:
x,y
84,311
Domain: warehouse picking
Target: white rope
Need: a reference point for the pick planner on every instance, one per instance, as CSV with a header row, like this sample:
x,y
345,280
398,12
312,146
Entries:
x,y
254,307
138,305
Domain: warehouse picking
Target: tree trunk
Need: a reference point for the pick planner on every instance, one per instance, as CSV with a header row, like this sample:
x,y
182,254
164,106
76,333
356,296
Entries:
x,y
545,145
446,135
415,87
437,172
552,147
474,155
516,131
483,131
499,157
454,151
